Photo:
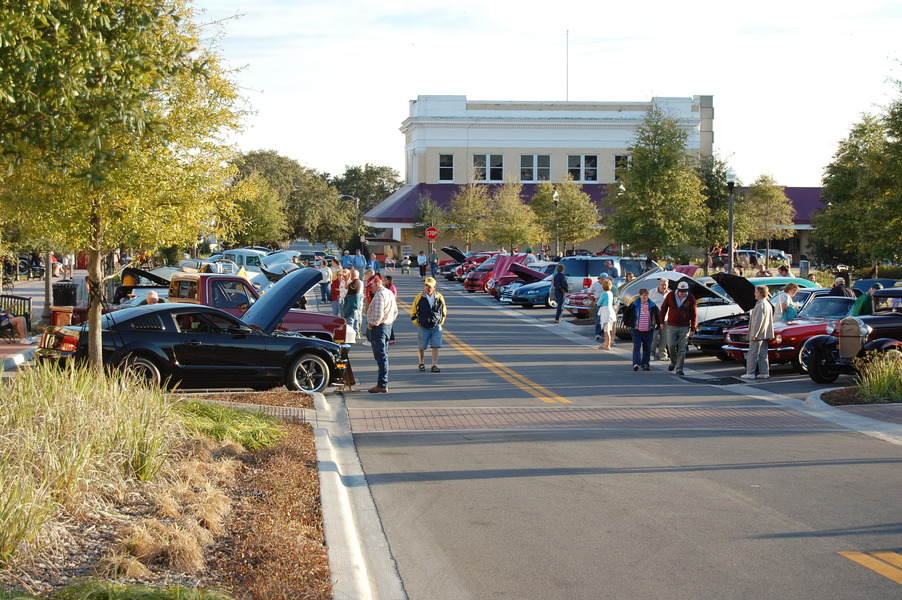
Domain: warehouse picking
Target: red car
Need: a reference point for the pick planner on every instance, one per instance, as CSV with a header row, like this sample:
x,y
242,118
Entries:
x,y
789,338
479,280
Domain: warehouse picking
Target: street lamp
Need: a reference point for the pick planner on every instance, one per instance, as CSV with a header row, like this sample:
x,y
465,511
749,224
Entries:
x,y
731,182
556,198
356,218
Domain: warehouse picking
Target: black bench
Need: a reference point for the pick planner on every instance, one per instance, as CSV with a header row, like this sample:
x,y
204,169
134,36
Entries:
x,y
19,306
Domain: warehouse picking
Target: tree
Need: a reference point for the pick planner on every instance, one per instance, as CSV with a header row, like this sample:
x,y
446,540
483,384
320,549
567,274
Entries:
x,y
770,213
511,222
135,152
572,219
861,215
468,212
428,214
712,172
260,218
661,208
370,184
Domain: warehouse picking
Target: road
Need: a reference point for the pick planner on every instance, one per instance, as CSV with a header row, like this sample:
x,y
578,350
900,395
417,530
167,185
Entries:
x,y
534,466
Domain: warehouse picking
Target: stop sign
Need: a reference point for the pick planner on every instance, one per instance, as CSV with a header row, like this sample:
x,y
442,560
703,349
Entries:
x,y
431,233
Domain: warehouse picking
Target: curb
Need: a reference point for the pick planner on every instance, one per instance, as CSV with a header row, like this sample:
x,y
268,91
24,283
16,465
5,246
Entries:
x,y
14,361
888,432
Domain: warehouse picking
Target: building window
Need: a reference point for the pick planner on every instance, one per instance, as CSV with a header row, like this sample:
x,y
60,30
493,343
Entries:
x,y
621,164
446,167
488,167
535,167
583,167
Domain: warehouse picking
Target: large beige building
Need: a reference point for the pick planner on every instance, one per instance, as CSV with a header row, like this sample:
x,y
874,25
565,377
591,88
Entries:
x,y
450,141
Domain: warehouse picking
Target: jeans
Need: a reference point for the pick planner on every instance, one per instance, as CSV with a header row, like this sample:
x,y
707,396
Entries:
x,y
559,298
659,344
677,344
757,358
336,308
642,339
353,321
378,337
325,290
433,268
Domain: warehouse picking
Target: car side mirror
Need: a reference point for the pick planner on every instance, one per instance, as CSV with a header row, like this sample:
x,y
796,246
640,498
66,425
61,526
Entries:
x,y
240,330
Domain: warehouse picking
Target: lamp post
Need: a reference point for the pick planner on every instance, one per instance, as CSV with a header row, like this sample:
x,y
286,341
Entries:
x,y
731,182
356,218
556,198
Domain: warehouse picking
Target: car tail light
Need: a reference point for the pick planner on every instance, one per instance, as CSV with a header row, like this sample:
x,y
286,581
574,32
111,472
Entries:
x,y
60,341
587,282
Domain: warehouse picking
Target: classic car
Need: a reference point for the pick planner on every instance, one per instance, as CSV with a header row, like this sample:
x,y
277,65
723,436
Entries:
x,y
472,262
830,355
709,339
479,280
196,346
521,275
446,268
534,294
787,345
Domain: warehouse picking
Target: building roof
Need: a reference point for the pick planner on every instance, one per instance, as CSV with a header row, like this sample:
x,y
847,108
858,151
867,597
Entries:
x,y
399,209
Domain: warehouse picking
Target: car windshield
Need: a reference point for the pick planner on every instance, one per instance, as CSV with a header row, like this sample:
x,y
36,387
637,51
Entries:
x,y
827,307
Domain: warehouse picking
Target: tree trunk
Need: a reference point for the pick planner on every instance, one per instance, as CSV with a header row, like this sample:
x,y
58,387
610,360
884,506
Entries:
x,y
95,294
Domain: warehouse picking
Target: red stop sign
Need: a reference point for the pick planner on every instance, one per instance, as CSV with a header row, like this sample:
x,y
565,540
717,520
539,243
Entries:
x,y
431,233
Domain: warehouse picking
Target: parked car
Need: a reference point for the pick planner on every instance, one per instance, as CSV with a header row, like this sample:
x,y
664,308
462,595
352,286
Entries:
x,y
251,260
863,285
446,268
787,345
534,294
521,275
709,339
830,355
478,280
195,346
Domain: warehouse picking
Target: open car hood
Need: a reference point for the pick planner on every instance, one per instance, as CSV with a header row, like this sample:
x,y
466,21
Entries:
x,y
138,273
526,274
269,310
276,272
739,288
455,253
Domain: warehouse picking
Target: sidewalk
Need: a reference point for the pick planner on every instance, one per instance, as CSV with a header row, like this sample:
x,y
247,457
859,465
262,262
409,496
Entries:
x,y
17,354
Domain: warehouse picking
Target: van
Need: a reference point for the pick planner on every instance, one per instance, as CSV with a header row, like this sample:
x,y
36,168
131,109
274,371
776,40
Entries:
x,y
249,259
581,271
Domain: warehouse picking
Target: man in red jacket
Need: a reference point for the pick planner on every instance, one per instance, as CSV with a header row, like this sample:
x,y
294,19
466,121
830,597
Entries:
x,y
681,315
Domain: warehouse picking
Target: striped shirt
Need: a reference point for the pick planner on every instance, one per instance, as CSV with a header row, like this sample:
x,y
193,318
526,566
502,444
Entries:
x,y
644,322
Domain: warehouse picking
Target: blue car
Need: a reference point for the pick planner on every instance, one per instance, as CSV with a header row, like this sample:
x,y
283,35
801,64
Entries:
x,y
534,294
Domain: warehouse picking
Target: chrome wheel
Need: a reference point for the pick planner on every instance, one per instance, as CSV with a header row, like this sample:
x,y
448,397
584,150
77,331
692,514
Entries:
x,y
307,373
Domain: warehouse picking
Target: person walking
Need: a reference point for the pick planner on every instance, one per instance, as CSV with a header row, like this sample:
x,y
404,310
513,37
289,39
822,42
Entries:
x,y
784,309
841,289
351,307
607,314
659,342
761,330
373,263
428,313
380,316
593,294
359,261
421,263
338,287
433,263
389,283
865,303
325,284
642,316
346,261
680,313
559,287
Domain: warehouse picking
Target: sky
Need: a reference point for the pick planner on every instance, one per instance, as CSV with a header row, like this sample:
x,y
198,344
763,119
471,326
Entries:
x,y
330,81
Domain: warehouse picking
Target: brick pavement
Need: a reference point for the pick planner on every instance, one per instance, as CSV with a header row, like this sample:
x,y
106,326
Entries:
x,y
570,417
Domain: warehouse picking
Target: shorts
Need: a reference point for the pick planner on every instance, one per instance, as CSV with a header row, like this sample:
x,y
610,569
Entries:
x,y
429,338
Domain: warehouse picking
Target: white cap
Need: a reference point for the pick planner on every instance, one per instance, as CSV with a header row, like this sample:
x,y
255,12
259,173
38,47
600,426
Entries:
x,y
683,286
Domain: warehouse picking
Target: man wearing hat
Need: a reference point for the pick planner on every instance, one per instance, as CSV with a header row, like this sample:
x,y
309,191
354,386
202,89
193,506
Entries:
x,y
841,289
681,315
428,313
346,261
865,304
380,315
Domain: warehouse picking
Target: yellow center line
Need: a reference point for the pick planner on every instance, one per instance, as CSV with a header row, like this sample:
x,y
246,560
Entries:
x,y
878,566
503,371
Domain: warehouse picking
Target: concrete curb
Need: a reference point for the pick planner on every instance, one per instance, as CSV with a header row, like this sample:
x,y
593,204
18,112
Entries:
x,y
888,432
14,361
359,556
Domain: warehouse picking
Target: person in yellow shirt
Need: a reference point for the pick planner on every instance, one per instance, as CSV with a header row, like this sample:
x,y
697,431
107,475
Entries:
x,y
428,313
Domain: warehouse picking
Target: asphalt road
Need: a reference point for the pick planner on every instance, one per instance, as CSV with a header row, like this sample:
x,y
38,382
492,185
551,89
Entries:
x,y
534,466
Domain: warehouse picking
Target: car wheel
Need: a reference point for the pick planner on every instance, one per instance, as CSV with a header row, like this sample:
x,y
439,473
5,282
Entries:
x,y
550,302
723,356
814,360
798,361
307,373
142,370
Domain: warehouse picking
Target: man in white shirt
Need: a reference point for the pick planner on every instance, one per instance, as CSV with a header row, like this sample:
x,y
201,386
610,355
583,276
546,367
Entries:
x,y
594,293
380,315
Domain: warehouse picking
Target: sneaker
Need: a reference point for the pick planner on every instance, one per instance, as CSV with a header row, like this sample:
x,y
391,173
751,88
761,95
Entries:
x,y
763,376
747,376
635,367
29,341
378,390
678,373
671,366
597,338
646,368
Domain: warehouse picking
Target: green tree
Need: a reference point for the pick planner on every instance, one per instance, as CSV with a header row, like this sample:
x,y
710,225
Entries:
x,y
428,214
511,222
712,172
769,212
370,184
260,218
468,213
132,152
570,220
661,209
861,197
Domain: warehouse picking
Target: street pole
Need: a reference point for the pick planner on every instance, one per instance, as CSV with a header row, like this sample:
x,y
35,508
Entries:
x,y
556,198
731,182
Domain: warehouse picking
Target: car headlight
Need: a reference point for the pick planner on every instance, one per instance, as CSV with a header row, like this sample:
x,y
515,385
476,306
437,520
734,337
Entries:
x,y
866,330
831,328
778,339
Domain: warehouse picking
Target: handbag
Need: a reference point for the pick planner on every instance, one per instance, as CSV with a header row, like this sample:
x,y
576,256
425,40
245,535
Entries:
x,y
790,313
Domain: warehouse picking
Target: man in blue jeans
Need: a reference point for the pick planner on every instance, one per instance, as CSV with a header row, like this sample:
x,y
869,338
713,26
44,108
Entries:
x,y
380,315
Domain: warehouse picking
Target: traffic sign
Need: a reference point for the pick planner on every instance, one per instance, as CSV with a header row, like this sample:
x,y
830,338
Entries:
x,y
431,233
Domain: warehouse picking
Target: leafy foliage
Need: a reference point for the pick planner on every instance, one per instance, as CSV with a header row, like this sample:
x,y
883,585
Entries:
x,y
468,212
570,220
511,222
428,214
770,213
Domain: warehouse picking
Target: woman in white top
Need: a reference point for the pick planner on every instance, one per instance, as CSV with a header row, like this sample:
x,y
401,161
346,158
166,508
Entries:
x,y
607,314
784,301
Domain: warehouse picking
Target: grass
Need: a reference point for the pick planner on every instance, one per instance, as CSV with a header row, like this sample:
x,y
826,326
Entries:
x,y
880,377
252,430
108,590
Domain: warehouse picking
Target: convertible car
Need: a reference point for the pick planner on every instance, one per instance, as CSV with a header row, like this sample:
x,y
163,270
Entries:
x,y
830,355
196,346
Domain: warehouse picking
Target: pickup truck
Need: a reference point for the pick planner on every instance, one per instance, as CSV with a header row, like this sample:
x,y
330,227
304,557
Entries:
x,y
235,294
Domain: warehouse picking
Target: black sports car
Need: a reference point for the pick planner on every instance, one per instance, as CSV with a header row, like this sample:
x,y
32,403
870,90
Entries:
x,y
195,346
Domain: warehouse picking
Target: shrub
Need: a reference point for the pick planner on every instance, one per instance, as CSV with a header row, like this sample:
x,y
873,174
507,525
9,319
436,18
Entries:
x,y
880,377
